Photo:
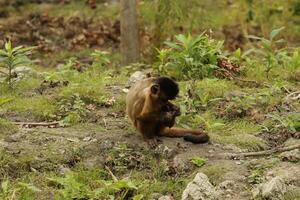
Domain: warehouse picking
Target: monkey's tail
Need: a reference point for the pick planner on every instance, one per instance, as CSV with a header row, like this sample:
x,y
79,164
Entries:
x,y
191,135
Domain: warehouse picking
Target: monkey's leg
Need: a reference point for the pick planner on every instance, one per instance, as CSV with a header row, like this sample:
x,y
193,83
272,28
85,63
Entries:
x,y
192,135
148,132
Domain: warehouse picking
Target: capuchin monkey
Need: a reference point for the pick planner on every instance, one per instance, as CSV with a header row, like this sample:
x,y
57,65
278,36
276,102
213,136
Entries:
x,y
152,114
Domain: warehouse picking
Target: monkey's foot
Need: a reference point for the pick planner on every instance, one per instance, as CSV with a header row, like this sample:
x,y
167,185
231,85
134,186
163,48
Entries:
x,y
152,142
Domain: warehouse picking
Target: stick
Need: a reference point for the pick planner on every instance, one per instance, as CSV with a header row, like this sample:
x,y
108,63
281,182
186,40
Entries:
x,y
257,84
264,153
35,124
3,73
111,174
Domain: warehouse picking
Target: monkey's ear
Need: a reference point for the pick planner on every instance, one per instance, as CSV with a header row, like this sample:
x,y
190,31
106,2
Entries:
x,y
155,89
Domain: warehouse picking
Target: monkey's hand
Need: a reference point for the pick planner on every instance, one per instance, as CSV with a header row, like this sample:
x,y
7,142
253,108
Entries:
x,y
169,107
169,118
177,111
152,143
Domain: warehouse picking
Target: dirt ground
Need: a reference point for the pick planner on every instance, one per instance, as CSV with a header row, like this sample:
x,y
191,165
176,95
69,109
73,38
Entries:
x,y
60,149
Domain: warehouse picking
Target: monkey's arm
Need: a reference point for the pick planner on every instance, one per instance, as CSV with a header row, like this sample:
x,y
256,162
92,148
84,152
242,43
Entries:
x,y
161,117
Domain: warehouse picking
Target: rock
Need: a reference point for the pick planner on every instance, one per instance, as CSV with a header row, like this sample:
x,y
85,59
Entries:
x,y
155,196
291,156
232,94
200,189
165,151
136,76
226,188
63,170
289,172
86,139
226,184
23,70
166,197
20,72
273,189
179,164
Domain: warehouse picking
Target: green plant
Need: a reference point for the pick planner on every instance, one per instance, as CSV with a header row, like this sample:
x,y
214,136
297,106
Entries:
x,y
10,58
22,190
73,108
6,127
291,122
199,162
100,58
74,186
65,72
166,12
4,100
271,54
257,170
189,57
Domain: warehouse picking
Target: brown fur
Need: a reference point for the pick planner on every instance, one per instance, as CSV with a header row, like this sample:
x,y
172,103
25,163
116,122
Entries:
x,y
151,115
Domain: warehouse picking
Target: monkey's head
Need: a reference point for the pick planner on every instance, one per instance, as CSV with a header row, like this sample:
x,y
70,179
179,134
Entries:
x,y
164,89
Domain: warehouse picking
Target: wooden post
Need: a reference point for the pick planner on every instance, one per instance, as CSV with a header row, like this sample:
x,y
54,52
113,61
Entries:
x,y
130,48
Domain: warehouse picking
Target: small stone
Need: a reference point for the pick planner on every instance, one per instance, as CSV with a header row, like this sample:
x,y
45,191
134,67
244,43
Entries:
x,y
179,163
86,139
125,90
273,189
226,184
165,151
136,76
200,189
229,191
256,192
155,196
63,170
238,162
166,197
291,156
22,70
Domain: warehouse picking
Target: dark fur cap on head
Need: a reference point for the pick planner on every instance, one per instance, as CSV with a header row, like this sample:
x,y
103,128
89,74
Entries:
x,y
168,86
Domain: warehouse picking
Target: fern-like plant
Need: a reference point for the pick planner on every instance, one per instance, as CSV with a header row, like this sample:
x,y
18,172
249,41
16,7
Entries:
x,y
189,57
10,58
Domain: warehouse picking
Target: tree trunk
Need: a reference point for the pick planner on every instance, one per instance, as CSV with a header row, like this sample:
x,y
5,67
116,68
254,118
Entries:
x,y
130,49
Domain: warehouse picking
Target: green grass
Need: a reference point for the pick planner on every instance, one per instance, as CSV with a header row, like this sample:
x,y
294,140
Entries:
x,y
214,172
293,194
215,87
41,107
21,87
88,85
6,128
240,133
164,187
74,8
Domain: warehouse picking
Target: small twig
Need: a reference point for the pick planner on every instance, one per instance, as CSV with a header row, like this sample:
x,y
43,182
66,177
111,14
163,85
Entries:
x,y
35,124
293,95
105,124
247,81
286,90
3,73
111,174
264,153
254,82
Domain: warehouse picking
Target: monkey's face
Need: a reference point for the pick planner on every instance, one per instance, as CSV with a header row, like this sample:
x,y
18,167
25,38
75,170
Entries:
x,y
158,95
